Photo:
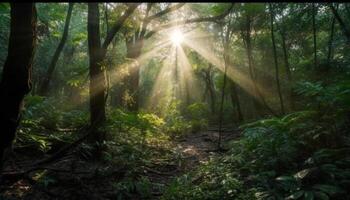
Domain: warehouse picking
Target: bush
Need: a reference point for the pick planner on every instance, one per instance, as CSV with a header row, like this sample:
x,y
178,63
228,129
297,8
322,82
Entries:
x,y
198,114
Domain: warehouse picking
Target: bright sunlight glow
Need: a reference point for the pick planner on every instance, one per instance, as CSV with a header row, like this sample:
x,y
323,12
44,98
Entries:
x,y
177,37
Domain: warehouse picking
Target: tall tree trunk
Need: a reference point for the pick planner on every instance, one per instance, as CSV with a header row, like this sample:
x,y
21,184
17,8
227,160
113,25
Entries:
x,y
288,71
112,30
48,76
16,76
314,12
330,43
235,101
275,59
131,81
134,47
187,91
211,89
222,100
97,73
106,18
344,28
248,47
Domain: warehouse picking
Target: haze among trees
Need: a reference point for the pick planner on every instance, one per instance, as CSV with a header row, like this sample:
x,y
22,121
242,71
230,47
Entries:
x,y
175,101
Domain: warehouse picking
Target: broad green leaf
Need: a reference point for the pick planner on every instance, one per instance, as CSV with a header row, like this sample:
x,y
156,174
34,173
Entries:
x,y
321,195
296,195
309,195
329,189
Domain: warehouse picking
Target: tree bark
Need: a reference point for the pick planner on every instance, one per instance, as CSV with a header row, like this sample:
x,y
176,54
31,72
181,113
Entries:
x,y
97,73
275,60
288,71
47,79
16,76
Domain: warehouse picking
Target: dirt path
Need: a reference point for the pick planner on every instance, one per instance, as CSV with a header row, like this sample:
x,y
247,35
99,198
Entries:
x,y
194,148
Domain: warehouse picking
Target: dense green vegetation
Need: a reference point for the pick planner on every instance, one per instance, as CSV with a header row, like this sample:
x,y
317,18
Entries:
x,y
175,101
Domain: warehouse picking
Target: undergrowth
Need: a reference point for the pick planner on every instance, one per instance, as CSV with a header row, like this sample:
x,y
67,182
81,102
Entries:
x,y
302,155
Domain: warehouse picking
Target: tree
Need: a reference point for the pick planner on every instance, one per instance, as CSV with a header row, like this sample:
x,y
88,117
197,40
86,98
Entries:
x,y
97,73
209,86
344,28
227,61
16,76
330,42
48,76
286,65
275,58
246,34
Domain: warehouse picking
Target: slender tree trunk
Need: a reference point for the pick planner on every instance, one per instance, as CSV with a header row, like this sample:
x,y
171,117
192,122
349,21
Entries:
x,y
314,12
212,97
187,93
132,80
275,59
285,53
344,28
222,103
330,43
97,73
288,71
212,100
106,18
16,76
210,88
235,101
47,78
205,93
250,65
257,92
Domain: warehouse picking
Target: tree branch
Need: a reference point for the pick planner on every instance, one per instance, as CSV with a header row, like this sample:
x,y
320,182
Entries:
x,y
118,24
165,11
148,19
189,21
344,28
143,28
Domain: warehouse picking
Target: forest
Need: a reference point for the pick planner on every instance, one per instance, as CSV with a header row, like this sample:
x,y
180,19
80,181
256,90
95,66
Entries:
x,y
170,101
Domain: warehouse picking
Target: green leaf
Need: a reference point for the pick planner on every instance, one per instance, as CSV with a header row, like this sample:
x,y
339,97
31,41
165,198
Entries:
x,y
296,195
4,7
321,195
308,195
329,189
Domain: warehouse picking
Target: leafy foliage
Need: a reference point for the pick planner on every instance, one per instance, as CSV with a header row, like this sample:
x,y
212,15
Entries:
x,y
302,155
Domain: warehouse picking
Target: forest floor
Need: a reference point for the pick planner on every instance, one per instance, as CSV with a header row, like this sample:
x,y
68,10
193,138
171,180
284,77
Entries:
x,y
196,148
75,180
